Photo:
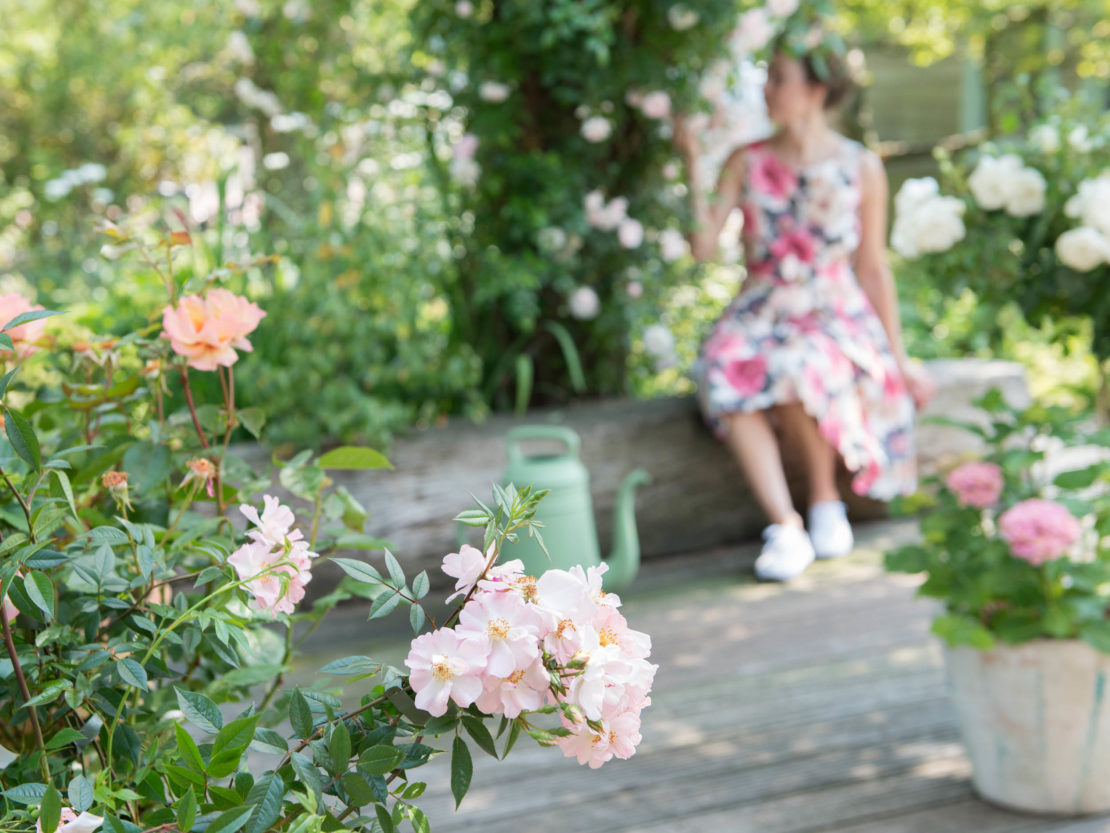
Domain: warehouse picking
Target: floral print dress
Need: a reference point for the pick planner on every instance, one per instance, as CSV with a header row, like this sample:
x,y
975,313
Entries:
x,y
802,330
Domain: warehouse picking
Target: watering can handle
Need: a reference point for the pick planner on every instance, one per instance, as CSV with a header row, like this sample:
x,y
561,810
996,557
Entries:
x,y
541,432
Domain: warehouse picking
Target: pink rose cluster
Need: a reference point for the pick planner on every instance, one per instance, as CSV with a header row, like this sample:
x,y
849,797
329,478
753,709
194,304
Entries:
x,y
25,335
976,484
276,562
522,643
207,331
1038,530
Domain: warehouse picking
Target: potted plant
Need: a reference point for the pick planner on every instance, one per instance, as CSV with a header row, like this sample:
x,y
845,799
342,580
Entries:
x,y
1015,549
152,599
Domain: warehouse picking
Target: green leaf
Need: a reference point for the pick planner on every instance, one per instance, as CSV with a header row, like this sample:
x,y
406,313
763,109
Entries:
x,y
187,749
185,776
186,811
41,591
416,618
384,604
462,768
80,793
339,748
384,819
358,570
380,760
419,821
353,457
22,438
358,789
352,665
1097,635
51,812
10,374
132,673
231,820
7,343
62,480
199,710
477,730
252,419
300,715
30,793
267,740
395,571
63,737
962,630
420,585
230,743
27,317
266,797
307,773
1080,478
149,465
49,693
525,372
510,741
570,355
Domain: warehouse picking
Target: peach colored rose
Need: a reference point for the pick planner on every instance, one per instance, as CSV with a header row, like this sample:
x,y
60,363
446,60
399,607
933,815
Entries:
x,y
207,331
25,335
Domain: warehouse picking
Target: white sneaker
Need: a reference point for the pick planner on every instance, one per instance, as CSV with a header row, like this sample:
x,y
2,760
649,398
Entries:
x,y
787,552
829,529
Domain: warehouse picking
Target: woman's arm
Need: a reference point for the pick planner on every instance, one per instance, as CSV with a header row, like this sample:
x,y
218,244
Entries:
x,y
875,275
710,210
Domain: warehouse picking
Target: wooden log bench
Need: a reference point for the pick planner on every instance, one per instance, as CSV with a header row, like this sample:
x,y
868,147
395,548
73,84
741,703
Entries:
x,y
697,499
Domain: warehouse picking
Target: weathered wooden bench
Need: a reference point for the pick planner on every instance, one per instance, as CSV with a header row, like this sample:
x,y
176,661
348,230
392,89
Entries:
x,y
698,498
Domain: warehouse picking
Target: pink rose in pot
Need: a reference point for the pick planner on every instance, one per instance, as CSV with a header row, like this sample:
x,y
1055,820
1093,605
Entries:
x,y
1038,530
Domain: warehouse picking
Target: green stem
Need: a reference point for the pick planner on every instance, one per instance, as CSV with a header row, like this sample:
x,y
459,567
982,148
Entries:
x,y
23,504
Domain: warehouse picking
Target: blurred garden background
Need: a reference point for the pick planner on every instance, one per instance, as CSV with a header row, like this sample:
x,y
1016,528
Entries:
x,y
475,206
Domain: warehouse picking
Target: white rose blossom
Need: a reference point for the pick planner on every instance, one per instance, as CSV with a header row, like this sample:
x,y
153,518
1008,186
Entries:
x,y
991,180
682,17
781,8
658,341
672,245
1091,203
1083,249
656,105
1045,137
935,225
596,129
1026,193
493,91
630,233
584,303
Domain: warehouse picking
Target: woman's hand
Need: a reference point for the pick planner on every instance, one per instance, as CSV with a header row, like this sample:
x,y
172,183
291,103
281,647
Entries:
x,y
920,384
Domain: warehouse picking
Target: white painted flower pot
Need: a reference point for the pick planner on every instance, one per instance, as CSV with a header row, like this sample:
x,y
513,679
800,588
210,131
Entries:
x,y
1036,722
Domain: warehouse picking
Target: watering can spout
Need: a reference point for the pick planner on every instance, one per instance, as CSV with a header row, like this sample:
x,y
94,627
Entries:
x,y
624,561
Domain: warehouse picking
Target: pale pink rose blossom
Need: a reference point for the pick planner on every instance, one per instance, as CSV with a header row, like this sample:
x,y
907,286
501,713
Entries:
x,y
754,31
275,524
589,747
25,335
501,578
208,331
656,105
1038,530
524,690
635,289
507,626
630,233
976,484
276,564
467,566
444,666
612,629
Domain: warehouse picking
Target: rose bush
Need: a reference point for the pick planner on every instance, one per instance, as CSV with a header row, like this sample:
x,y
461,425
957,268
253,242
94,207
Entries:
x,y
1021,220
1015,548
152,592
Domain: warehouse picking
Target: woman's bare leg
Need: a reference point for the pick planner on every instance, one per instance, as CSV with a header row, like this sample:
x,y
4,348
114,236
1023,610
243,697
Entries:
x,y
800,429
753,444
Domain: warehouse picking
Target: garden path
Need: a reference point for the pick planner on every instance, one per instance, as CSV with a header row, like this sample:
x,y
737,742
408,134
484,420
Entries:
x,y
817,706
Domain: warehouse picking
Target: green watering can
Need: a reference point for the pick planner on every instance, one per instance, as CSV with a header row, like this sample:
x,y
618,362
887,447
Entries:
x,y
567,511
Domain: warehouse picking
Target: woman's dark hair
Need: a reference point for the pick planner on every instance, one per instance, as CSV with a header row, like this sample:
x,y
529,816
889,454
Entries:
x,y
837,79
